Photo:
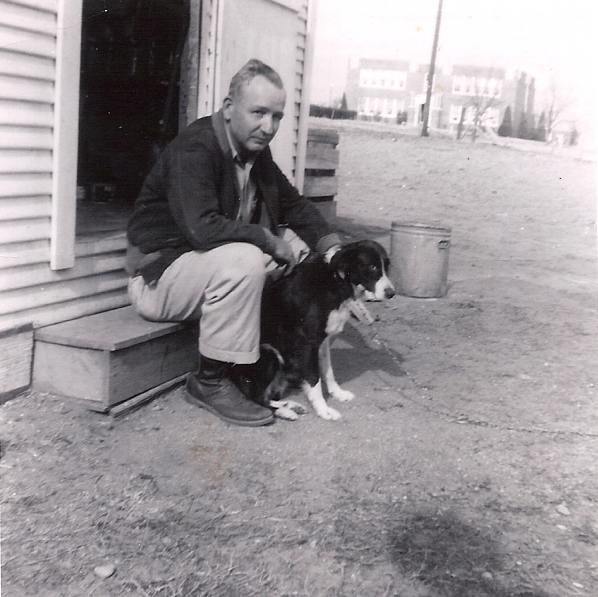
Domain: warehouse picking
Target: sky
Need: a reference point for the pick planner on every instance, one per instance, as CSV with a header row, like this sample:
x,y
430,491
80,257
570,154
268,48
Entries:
x,y
548,39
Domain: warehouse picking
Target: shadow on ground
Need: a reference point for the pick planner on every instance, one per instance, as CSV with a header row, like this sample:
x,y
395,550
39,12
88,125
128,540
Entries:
x,y
452,556
358,230
361,356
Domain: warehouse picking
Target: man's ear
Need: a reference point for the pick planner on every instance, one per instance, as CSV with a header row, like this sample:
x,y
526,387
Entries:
x,y
227,106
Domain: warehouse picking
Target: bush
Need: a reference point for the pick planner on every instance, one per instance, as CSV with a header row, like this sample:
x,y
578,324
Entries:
x,y
506,128
540,132
333,113
402,117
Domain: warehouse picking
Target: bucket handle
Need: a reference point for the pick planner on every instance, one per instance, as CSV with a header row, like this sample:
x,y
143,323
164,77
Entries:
x,y
443,244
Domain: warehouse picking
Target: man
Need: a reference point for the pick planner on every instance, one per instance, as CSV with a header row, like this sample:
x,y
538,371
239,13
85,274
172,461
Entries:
x,y
206,233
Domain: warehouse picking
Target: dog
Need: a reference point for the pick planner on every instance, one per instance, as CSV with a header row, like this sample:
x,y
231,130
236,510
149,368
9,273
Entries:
x,y
302,312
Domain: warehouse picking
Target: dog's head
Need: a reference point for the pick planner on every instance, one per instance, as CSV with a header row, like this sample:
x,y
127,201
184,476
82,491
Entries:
x,y
365,265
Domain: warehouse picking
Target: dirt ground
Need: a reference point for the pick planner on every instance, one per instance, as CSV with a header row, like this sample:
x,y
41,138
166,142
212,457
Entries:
x,y
466,466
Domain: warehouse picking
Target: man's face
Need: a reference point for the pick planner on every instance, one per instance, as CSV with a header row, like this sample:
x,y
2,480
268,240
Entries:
x,y
254,115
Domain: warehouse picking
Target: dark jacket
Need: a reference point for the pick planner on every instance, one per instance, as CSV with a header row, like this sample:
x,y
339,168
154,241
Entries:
x,y
190,200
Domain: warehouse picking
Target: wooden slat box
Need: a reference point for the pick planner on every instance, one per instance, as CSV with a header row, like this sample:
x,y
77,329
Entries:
x,y
16,349
110,357
321,161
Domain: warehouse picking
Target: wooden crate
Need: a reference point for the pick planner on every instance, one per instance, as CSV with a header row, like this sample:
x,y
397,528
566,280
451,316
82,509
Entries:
x,y
107,358
327,209
321,162
16,350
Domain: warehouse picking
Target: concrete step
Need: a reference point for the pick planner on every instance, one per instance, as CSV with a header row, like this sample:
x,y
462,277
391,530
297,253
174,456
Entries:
x,y
112,357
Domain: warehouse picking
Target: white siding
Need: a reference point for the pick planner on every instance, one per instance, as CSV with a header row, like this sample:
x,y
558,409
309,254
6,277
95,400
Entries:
x,y
27,70
30,291
270,31
207,57
301,83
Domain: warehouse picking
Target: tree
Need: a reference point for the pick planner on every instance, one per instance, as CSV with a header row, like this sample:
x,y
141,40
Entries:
x,y
522,127
526,128
461,122
556,104
480,104
344,102
540,132
506,127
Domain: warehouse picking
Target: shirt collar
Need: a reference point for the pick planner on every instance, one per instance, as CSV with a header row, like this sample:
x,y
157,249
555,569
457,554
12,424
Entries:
x,y
236,157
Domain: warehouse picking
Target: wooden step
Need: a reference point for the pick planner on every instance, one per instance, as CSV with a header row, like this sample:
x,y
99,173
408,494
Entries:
x,y
110,357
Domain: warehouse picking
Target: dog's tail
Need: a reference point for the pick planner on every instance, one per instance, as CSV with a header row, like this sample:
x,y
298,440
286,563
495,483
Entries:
x,y
269,348
272,378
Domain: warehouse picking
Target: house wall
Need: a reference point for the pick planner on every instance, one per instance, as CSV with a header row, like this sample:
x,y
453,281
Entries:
x,y
262,29
31,291
27,78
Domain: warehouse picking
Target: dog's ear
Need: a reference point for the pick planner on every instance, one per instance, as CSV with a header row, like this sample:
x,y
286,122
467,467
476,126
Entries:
x,y
339,262
342,261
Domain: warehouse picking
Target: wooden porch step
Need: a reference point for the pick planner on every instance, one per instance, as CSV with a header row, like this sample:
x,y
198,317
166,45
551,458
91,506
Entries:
x,y
111,357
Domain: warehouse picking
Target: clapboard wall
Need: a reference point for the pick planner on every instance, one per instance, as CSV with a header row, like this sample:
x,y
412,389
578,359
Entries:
x,y
27,75
30,291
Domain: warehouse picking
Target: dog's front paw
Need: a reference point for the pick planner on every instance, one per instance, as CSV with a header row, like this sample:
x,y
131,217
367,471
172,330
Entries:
x,y
341,395
282,412
328,413
295,406
287,409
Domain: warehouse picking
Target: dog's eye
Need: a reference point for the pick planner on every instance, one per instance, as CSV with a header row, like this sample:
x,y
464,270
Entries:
x,y
373,268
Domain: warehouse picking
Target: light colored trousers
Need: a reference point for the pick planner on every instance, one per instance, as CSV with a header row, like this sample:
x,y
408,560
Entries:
x,y
222,288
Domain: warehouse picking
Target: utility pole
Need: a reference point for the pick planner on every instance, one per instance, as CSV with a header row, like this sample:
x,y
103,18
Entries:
x,y
431,72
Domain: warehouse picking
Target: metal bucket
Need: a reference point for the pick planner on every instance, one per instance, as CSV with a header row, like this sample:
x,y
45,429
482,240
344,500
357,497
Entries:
x,y
419,256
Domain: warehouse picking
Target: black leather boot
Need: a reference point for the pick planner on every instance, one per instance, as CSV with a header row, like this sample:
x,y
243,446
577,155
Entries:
x,y
212,388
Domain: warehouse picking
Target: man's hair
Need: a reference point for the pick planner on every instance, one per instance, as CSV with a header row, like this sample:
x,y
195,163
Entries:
x,y
248,72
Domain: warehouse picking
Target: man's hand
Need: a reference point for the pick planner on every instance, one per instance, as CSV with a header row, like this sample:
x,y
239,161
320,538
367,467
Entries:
x,y
281,253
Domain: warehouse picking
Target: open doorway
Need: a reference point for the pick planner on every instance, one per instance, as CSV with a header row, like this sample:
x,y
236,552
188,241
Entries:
x,y
129,102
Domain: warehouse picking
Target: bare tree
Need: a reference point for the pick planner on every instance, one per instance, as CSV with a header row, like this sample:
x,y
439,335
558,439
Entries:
x,y
557,102
479,103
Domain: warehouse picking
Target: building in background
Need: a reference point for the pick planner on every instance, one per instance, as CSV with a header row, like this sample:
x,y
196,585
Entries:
x,y
395,90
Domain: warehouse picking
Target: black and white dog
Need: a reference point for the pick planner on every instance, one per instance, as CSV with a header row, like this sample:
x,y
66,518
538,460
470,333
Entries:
x,y
300,315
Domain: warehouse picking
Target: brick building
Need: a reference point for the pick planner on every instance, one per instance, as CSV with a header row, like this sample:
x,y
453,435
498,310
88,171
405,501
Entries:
x,y
385,89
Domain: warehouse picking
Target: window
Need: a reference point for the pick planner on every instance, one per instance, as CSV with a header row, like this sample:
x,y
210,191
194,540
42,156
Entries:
x,y
455,114
491,117
377,78
457,85
365,76
469,114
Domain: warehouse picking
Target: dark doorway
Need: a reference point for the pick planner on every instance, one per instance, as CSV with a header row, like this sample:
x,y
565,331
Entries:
x,y
129,95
